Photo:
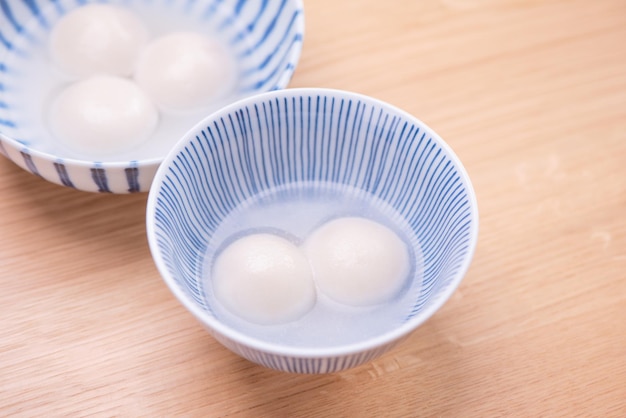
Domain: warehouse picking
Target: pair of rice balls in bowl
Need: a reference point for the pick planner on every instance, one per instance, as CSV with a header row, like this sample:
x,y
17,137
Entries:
x,y
94,94
268,279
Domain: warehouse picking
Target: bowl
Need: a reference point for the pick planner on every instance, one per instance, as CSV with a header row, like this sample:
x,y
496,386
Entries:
x,y
264,39
288,161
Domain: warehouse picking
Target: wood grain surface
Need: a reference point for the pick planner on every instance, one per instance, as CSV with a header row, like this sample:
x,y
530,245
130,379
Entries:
x,y
531,94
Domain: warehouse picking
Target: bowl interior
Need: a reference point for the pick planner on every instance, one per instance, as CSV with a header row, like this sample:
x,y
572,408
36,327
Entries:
x,y
289,160
264,39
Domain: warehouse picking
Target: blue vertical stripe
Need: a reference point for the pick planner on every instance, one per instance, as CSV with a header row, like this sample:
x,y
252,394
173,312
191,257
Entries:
x,y
30,164
132,178
5,42
62,173
34,9
8,14
99,177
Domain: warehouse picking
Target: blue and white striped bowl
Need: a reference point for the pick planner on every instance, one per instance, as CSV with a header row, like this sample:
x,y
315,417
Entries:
x,y
265,37
311,136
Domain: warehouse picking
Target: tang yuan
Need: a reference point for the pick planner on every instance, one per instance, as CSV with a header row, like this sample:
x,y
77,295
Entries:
x,y
97,38
102,115
357,261
264,278
184,70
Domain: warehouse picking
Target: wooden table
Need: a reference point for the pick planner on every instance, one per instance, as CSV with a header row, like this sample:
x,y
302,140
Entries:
x,y
531,94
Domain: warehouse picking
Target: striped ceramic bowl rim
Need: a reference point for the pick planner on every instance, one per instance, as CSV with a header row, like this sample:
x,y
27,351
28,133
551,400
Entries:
x,y
186,199
267,40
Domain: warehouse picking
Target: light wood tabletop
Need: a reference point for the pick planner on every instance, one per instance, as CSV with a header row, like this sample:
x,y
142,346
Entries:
x,y
531,94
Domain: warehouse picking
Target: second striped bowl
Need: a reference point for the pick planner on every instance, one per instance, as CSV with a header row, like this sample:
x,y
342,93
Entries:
x,y
287,161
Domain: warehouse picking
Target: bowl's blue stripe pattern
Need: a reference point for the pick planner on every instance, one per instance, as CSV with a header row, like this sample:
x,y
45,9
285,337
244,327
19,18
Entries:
x,y
304,364
266,38
345,141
